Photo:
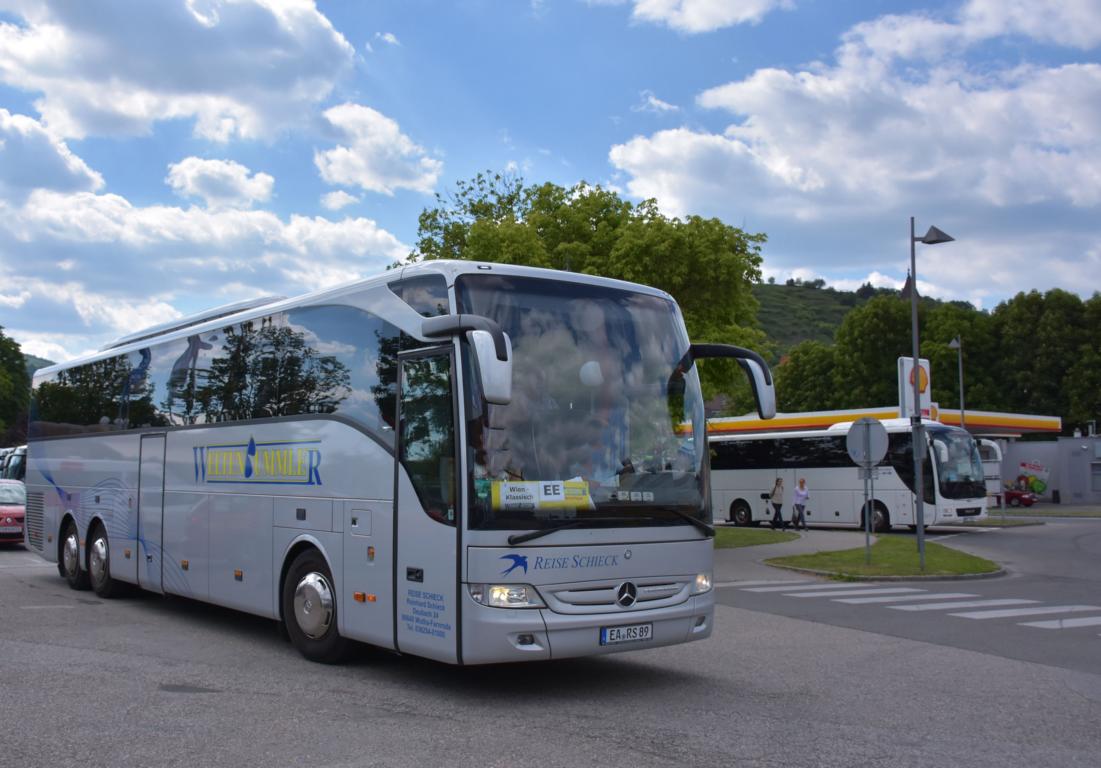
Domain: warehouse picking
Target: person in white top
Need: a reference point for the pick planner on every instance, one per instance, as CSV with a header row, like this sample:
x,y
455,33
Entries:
x,y
799,503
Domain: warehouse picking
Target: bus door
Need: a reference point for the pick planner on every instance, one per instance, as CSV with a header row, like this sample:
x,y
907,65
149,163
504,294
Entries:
x,y
150,512
426,507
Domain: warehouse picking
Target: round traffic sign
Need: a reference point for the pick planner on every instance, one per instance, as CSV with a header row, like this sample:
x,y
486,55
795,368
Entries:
x,y
867,442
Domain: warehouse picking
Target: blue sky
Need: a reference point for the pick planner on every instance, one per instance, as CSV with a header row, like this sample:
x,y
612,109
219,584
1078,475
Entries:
x,y
160,158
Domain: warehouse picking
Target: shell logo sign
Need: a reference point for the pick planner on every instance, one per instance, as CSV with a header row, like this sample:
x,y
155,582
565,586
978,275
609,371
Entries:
x,y
923,378
906,374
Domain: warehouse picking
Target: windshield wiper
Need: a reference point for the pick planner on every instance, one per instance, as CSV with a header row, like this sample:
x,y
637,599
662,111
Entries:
x,y
520,538
706,529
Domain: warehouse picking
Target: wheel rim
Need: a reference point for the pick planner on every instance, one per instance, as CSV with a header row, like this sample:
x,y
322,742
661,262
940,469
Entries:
x,y
97,565
878,519
313,605
71,554
741,515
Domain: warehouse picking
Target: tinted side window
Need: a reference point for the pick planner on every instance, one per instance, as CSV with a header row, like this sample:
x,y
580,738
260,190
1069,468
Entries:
x,y
428,433
425,293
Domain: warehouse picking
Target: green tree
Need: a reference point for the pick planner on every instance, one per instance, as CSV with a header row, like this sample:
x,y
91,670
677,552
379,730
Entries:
x,y
14,389
708,266
870,340
1083,380
805,378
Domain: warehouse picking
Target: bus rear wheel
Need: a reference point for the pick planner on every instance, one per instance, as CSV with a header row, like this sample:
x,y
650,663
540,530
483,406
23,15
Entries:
x,y
740,513
70,558
99,565
309,609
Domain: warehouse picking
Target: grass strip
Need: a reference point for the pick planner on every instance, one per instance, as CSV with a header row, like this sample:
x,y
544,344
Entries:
x,y
992,522
1047,511
891,556
727,538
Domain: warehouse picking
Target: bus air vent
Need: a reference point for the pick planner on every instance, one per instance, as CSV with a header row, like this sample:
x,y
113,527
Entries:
x,y
34,519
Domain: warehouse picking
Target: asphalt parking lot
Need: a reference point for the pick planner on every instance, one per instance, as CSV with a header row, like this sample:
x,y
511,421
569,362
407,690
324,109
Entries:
x,y
151,681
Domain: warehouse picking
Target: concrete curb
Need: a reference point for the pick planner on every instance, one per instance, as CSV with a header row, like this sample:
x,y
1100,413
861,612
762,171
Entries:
x,y
853,577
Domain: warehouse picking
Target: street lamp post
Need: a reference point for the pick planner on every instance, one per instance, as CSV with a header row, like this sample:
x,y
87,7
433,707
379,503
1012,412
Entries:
x,y
932,237
957,344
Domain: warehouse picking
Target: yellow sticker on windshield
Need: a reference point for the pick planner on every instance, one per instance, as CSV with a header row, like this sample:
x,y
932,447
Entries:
x,y
541,494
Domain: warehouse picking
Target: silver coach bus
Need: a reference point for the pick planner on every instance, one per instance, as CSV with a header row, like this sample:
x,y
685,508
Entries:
x,y
468,462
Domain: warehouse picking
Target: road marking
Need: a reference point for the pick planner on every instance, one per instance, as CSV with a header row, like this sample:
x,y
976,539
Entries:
x,y
42,607
876,591
1011,612
963,604
761,582
811,585
1088,621
900,598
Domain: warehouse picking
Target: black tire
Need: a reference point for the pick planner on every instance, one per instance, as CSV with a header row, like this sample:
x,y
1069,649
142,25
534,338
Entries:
x,y
881,519
740,513
69,561
311,624
99,564
1014,502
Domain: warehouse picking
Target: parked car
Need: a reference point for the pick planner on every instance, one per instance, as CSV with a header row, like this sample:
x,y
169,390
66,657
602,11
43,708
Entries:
x,y
1016,498
13,500
15,466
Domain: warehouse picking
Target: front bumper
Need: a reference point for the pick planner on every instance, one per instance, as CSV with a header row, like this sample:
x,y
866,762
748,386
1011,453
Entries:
x,y
495,635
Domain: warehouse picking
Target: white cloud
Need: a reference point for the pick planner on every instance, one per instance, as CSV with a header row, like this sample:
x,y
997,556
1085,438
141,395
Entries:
x,y
31,157
220,183
337,199
190,59
863,133
387,37
900,121
105,267
648,102
376,155
1075,23
694,16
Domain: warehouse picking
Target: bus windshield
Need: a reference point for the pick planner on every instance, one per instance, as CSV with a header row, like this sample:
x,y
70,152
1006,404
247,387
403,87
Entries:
x,y
959,467
599,431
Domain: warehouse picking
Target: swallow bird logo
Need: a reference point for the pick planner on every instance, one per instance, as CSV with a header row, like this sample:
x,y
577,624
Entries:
x,y
518,561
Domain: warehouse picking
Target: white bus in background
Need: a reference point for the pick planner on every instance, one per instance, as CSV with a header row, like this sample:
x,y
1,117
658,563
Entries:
x,y
743,467
469,462
991,454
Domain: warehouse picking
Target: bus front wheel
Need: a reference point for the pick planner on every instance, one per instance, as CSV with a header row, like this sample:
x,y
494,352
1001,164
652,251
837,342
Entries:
x,y
740,514
881,520
309,609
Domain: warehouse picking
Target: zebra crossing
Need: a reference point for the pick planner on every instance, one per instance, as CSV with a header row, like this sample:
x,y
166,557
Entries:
x,y
961,605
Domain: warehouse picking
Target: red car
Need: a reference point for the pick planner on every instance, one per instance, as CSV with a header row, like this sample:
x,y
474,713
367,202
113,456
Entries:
x,y
13,500
1015,498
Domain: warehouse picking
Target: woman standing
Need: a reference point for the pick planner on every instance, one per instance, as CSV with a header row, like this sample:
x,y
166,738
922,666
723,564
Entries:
x,y
777,499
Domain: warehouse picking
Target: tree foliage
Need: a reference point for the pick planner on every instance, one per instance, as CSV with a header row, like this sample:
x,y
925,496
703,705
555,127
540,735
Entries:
x,y
14,391
706,265
1035,353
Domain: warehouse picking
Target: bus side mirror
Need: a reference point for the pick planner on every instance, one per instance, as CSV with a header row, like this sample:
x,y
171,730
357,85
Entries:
x,y
492,351
755,367
763,390
495,375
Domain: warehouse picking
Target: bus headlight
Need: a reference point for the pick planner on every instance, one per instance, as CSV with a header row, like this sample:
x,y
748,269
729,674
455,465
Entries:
x,y
703,584
506,595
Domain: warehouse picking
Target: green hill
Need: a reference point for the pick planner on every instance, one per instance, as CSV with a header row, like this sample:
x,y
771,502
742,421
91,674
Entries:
x,y
795,311
34,363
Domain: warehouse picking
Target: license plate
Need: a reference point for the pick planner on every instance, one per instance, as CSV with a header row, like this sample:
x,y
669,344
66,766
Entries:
x,y
10,529
632,633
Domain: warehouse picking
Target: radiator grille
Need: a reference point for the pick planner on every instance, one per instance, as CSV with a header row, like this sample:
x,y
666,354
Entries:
x,y
33,520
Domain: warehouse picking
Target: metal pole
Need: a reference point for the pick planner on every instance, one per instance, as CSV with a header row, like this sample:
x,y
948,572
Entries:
x,y
915,415
963,421
867,512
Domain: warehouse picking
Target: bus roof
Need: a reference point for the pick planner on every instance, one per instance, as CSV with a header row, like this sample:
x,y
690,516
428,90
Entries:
x,y
220,317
